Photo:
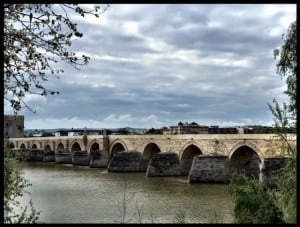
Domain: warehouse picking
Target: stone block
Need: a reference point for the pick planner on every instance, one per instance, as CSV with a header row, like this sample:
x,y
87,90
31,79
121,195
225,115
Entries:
x,y
80,158
209,169
63,158
35,155
97,160
125,161
164,164
49,156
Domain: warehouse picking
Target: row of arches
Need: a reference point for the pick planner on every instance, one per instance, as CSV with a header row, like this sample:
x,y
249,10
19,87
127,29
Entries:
x,y
60,147
242,158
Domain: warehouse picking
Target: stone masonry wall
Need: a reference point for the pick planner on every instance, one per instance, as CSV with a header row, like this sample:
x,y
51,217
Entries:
x,y
164,164
209,168
128,161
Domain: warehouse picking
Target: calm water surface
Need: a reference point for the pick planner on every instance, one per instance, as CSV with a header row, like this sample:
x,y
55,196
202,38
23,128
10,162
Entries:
x,y
72,194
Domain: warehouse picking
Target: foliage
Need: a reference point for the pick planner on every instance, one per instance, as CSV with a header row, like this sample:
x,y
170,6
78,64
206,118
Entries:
x,y
287,191
154,131
287,65
36,37
180,217
14,188
254,203
282,120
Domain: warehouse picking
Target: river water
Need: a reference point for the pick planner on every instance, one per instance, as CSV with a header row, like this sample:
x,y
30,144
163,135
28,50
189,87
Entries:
x,y
73,194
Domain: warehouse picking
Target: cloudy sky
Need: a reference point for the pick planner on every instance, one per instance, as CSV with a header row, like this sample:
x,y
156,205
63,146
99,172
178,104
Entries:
x,y
156,65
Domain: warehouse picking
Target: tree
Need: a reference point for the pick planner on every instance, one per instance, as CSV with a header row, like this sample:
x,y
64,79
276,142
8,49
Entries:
x,y
253,202
36,37
14,187
286,116
287,66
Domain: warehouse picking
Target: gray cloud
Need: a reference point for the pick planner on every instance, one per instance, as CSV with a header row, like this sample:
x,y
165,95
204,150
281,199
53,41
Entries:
x,y
156,65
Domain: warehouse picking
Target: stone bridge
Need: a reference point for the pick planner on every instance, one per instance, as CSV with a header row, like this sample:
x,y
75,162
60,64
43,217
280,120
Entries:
x,y
240,151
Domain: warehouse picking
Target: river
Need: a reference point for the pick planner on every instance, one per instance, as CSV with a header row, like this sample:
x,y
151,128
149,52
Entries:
x,y
73,194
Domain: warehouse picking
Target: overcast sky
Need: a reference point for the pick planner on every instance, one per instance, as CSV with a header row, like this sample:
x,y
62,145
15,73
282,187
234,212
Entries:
x,y
156,65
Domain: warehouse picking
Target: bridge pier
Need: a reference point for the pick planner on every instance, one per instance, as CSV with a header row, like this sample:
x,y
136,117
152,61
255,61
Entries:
x,y
125,161
35,155
49,156
80,158
270,169
164,164
98,160
209,169
144,164
63,157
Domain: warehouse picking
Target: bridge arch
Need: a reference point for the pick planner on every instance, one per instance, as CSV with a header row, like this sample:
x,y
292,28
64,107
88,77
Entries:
x,y
11,145
248,144
187,156
22,146
94,149
150,150
93,145
47,148
117,146
246,158
60,147
75,147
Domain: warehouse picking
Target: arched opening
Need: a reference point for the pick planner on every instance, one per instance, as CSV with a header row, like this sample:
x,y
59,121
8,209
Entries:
x,y
11,146
150,150
94,150
34,146
94,147
47,148
245,159
75,147
118,147
60,147
187,158
22,146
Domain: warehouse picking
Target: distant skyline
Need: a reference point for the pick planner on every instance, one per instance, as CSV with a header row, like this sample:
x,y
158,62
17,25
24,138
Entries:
x,y
156,65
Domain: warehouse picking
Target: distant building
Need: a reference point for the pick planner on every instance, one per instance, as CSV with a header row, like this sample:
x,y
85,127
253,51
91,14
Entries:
x,y
240,130
194,128
185,128
74,133
13,126
77,132
165,130
214,129
61,133
260,129
38,134
228,130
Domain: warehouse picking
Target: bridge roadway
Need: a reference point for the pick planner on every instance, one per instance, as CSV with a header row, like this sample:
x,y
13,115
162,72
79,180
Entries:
x,y
241,150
